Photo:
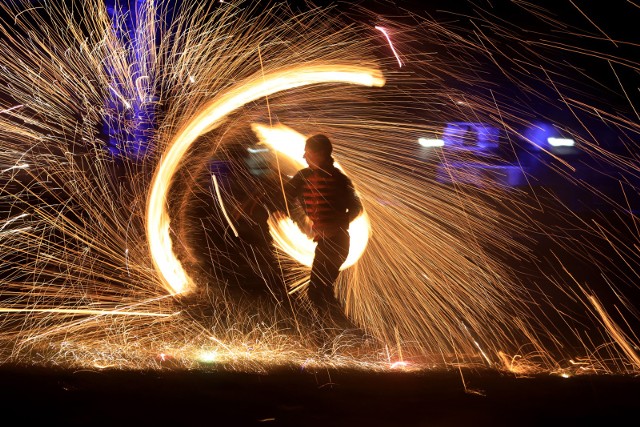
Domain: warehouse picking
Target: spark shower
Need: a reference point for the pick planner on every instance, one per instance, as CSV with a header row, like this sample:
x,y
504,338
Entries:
x,y
453,273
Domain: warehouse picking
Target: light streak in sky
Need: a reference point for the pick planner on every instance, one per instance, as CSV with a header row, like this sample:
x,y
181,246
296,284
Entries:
x,y
20,166
107,260
6,110
386,35
221,203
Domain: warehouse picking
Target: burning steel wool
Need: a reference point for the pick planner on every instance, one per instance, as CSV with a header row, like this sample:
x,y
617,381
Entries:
x,y
142,150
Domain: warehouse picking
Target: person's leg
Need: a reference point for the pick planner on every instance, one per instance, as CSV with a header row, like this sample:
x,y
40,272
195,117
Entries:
x,y
329,256
317,285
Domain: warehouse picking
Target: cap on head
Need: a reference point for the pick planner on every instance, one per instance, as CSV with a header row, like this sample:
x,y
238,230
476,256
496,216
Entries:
x,y
319,143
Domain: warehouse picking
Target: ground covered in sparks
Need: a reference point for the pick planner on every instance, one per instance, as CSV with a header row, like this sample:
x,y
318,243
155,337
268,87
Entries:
x,y
315,398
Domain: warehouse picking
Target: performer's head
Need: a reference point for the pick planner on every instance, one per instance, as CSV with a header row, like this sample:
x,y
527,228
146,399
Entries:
x,y
317,151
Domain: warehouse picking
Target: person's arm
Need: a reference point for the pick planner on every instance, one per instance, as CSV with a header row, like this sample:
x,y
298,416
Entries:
x,y
354,205
293,190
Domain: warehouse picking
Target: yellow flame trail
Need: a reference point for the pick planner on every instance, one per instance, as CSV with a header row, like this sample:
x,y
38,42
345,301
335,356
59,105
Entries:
x,y
169,268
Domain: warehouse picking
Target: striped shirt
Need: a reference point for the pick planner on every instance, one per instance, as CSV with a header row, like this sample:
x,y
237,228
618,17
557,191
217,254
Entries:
x,y
327,197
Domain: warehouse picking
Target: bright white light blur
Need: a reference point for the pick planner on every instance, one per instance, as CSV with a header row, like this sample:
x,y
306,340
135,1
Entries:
x,y
284,140
399,364
286,234
208,356
561,142
165,262
257,150
430,142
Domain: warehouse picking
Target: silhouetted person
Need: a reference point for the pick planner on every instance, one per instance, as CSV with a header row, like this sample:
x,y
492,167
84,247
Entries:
x,y
330,203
